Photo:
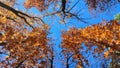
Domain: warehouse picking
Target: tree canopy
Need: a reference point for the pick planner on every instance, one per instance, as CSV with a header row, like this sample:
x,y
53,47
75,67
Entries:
x,y
25,39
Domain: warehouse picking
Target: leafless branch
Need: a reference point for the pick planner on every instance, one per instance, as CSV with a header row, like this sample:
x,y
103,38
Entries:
x,y
73,6
81,19
53,13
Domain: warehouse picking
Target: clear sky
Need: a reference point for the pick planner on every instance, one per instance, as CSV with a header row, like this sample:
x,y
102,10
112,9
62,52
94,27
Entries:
x,y
56,26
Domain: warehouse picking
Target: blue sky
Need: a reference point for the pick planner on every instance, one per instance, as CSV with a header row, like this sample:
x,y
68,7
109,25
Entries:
x,y
56,26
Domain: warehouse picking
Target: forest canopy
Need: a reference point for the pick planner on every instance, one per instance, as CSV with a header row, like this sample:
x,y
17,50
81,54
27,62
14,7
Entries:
x,y
28,29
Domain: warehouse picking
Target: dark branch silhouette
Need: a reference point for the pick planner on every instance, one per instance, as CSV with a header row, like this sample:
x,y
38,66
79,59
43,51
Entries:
x,y
20,14
63,6
73,6
20,63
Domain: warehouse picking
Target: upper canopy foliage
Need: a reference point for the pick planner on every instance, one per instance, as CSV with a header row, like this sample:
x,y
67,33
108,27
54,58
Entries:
x,y
25,42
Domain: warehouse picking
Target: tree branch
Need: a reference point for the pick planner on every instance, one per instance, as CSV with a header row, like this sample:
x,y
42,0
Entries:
x,y
20,63
53,13
19,13
73,6
81,19
63,6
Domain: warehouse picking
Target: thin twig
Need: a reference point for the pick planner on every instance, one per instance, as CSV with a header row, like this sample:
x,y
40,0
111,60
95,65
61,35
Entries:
x,y
73,6
81,19
53,13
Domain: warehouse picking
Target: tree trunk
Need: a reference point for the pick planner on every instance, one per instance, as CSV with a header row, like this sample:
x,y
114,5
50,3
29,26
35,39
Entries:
x,y
67,64
51,65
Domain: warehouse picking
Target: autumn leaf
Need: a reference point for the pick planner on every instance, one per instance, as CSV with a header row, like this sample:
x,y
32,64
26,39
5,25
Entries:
x,y
69,15
59,14
106,54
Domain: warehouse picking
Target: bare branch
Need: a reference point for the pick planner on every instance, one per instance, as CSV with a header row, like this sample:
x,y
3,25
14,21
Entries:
x,y
73,6
53,13
81,19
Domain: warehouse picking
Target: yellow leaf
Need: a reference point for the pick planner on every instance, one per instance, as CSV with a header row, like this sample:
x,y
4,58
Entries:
x,y
3,38
42,56
59,14
104,46
11,50
106,54
1,41
7,57
12,37
110,50
36,44
78,66
31,23
69,15
117,41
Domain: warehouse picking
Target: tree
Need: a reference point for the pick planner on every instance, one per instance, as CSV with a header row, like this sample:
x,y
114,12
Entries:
x,y
24,38
105,37
101,4
22,46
